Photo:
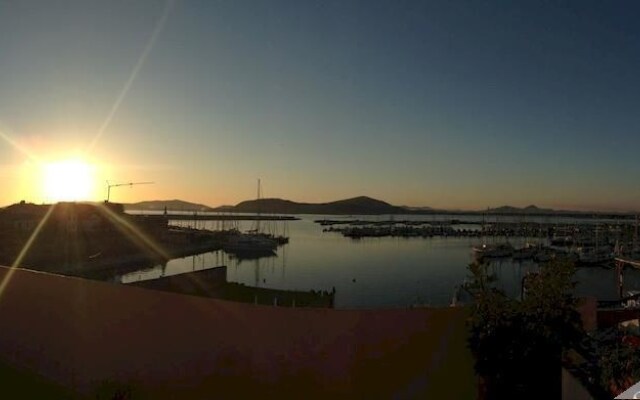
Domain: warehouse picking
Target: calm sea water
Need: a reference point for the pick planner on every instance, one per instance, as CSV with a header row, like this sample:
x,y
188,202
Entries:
x,y
372,272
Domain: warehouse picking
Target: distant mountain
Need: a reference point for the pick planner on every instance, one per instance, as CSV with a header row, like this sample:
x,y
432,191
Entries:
x,y
358,205
411,208
361,205
526,210
276,206
171,205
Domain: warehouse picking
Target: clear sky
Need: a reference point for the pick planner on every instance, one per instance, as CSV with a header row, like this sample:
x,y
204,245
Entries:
x,y
449,104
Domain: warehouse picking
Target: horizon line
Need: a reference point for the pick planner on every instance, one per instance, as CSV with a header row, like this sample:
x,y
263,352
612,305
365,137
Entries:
x,y
542,209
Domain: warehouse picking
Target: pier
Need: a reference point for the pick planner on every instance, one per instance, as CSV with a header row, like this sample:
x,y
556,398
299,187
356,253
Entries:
x,y
560,233
228,217
628,261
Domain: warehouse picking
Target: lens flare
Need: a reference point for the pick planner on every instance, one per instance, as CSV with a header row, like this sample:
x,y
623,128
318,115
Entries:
x,y
68,180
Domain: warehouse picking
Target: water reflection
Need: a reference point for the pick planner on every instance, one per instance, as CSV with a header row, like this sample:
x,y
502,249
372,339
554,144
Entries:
x,y
373,272
208,260
177,266
242,255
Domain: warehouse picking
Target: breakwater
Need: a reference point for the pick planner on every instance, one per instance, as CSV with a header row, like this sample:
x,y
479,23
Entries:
x,y
577,233
228,217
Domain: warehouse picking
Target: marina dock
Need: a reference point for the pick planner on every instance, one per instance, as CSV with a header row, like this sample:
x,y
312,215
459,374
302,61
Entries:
x,y
561,232
228,217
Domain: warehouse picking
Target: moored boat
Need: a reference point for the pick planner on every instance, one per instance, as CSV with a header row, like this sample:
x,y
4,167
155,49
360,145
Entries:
x,y
524,253
493,251
249,242
591,255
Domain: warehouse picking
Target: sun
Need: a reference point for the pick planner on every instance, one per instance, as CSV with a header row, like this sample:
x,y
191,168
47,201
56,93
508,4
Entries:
x,y
68,180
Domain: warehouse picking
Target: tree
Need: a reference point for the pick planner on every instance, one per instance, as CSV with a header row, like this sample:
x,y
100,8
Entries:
x,y
518,343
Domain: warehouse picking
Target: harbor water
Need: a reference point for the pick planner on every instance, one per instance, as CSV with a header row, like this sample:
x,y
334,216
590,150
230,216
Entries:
x,y
381,272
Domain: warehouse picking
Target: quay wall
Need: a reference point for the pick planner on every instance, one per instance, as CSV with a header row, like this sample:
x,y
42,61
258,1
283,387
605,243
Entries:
x,y
213,283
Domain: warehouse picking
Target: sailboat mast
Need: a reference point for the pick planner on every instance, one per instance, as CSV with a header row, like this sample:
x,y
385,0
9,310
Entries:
x,y
258,196
635,237
258,209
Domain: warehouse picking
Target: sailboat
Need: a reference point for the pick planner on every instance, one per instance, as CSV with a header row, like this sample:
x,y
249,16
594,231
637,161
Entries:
x,y
528,251
485,250
493,250
258,231
595,255
253,241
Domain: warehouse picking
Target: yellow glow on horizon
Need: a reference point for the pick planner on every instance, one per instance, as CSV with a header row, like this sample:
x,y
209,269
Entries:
x,y
68,180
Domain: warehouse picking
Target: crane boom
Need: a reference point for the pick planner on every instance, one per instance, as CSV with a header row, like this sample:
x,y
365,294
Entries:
x,y
111,185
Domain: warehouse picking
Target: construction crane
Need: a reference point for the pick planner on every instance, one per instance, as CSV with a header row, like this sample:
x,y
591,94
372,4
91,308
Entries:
x,y
111,185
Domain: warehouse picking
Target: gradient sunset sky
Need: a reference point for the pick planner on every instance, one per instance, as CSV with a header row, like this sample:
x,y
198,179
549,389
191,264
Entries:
x,y
449,104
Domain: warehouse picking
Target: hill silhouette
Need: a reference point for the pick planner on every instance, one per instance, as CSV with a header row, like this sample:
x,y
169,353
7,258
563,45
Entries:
x,y
358,205
361,205
531,209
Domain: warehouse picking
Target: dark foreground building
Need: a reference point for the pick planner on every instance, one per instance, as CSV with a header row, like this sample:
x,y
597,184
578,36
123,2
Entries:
x,y
72,236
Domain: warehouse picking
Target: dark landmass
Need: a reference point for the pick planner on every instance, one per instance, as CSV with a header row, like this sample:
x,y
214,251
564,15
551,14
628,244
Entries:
x,y
358,205
525,210
429,209
171,205
86,238
367,206
361,205
537,211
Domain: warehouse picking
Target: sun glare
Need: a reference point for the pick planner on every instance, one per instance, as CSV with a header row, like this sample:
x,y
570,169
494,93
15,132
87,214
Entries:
x,y
68,180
